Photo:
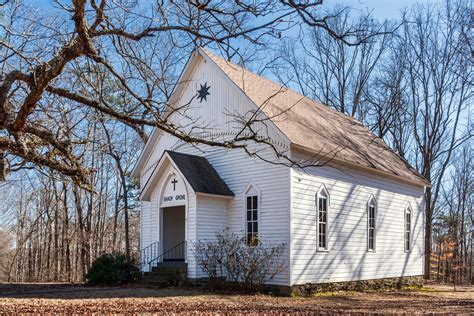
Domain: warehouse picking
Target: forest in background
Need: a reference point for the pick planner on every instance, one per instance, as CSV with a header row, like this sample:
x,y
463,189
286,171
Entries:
x,y
408,80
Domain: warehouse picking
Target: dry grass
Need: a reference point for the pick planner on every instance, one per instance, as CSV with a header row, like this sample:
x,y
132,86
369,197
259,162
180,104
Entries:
x,y
67,298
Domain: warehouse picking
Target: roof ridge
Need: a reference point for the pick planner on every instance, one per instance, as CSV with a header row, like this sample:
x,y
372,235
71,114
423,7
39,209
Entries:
x,y
279,85
314,125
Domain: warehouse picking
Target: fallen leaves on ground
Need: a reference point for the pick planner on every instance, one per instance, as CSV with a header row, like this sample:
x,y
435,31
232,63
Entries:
x,y
131,300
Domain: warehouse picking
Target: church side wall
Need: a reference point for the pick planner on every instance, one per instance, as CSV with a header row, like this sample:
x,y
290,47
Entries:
x,y
348,258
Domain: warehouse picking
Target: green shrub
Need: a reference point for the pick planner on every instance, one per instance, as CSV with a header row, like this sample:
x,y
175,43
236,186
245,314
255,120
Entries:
x,y
112,269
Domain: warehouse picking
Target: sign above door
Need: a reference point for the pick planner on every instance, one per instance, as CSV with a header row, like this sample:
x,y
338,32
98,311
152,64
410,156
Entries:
x,y
174,193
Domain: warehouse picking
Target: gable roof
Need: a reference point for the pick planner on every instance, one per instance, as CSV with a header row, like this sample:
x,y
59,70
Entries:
x,y
200,174
196,170
318,128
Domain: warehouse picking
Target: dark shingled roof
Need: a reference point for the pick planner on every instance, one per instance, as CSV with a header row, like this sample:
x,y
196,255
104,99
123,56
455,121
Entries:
x,y
200,174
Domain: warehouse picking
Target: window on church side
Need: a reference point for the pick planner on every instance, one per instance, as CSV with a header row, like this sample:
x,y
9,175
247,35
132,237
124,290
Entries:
x,y
322,218
252,220
371,213
407,229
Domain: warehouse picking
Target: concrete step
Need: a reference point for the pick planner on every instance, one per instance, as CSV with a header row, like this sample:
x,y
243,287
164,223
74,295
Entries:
x,y
165,274
168,270
170,266
154,284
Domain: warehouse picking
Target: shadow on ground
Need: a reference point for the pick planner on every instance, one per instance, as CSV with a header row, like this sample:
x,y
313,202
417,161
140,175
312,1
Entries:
x,y
69,298
81,291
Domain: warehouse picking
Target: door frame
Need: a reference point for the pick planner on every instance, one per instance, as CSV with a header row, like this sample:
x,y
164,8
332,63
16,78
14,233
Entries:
x,y
162,240
173,172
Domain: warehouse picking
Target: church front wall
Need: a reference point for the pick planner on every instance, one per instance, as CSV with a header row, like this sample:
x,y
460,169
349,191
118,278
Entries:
x,y
218,118
240,171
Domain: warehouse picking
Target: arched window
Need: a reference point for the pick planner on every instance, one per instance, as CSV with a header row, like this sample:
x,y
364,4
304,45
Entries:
x,y
252,207
371,223
408,228
322,218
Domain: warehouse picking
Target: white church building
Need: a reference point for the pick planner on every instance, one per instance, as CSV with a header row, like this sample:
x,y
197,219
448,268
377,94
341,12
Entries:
x,y
346,206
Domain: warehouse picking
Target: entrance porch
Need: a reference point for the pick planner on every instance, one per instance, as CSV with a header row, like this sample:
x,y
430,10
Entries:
x,y
182,191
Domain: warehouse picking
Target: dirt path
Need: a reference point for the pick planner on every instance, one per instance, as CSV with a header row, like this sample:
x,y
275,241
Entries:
x,y
66,298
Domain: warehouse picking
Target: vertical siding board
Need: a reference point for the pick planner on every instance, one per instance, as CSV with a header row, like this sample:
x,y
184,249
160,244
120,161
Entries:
x,y
290,223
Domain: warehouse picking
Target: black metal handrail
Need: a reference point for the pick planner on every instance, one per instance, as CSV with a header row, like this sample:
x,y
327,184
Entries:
x,y
149,252
176,253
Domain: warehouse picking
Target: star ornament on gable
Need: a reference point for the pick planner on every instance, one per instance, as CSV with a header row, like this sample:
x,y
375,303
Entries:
x,y
203,92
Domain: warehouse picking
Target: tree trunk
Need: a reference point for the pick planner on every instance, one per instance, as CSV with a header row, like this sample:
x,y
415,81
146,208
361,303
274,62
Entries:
x,y
3,167
82,240
428,230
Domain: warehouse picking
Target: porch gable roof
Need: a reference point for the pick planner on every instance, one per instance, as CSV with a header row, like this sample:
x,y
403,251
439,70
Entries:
x,y
197,171
200,174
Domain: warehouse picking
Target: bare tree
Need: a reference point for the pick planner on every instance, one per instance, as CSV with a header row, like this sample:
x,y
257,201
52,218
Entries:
x,y
6,250
122,41
453,225
78,76
438,74
332,72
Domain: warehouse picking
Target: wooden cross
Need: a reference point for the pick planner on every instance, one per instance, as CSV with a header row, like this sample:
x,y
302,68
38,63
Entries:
x,y
174,184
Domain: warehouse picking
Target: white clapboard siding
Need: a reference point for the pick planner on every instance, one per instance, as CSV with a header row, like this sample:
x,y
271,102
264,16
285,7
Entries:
x,y
239,170
348,258
145,225
211,218
164,142
224,109
236,168
287,211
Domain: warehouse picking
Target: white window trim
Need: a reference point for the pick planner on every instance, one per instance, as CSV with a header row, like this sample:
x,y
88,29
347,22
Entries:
x,y
372,201
246,194
408,209
323,191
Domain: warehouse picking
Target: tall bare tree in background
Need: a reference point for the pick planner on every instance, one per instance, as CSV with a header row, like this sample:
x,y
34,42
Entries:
x,y
331,71
438,74
454,223
82,85
412,87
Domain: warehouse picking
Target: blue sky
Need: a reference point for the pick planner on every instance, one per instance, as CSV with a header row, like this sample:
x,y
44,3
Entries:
x,y
382,9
